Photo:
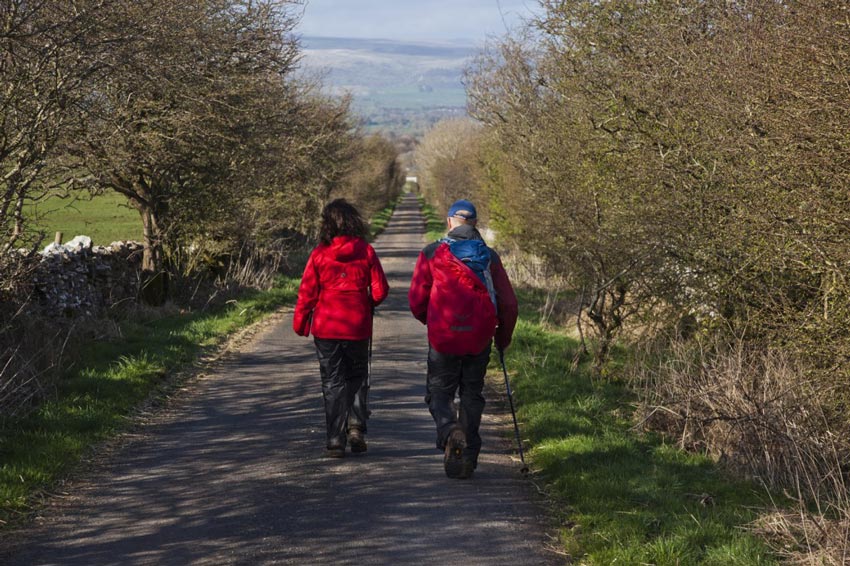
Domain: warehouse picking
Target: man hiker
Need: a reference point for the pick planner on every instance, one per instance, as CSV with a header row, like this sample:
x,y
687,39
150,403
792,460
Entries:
x,y
461,292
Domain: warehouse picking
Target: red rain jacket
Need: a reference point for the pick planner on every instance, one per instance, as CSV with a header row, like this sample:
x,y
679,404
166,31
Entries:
x,y
449,297
334,301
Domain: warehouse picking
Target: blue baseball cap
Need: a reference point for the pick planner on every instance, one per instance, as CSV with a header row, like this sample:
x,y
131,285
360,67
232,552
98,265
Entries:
x,y
463,209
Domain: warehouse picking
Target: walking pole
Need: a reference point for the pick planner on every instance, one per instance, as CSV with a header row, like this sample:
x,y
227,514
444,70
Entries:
x,y
524,469
369,369
371,330
369,378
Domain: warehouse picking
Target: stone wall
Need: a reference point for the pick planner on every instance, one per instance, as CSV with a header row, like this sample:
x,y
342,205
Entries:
x,y
78,279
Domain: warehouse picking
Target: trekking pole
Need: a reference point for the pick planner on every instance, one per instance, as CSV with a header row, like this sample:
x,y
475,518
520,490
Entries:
x,y
369,368
524,469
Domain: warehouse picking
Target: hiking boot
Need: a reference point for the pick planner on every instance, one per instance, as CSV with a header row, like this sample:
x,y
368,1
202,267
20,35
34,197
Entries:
x,y
335,452
453,459
357,441
467,467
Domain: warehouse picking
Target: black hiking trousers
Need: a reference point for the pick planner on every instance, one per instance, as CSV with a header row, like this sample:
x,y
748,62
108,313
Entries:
x,y
463,374
343,365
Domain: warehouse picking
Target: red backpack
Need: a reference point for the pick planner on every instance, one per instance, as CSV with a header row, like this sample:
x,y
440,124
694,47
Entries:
x,y
461,310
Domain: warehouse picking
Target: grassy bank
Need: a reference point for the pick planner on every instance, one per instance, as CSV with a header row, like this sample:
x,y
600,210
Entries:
x,y
95,400
378,222
623,497
435,223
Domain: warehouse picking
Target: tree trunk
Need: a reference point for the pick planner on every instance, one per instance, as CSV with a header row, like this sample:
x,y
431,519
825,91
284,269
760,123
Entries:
x,y
154,283
607,317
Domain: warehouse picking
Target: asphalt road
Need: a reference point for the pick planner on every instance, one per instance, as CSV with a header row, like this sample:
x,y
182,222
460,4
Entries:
x,y
236,473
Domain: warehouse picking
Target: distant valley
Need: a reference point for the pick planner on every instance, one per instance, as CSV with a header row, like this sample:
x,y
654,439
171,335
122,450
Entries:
x,y
396,86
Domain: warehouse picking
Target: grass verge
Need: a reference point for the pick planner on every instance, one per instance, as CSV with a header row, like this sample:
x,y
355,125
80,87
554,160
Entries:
x,y
95,400
435,224
622,497
378,222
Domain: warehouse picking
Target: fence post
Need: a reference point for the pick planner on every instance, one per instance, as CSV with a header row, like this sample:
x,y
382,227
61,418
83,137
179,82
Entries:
x,y
57,239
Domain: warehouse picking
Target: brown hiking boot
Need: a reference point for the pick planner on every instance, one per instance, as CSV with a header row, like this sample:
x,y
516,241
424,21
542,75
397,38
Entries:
x,y
335,450
357,441
467,467
453,461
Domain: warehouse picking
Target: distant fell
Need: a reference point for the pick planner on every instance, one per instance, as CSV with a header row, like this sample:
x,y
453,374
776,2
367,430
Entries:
x,y
402,87
389,46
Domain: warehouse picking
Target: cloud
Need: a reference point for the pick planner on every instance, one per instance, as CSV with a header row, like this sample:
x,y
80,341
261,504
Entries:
x,y
423,20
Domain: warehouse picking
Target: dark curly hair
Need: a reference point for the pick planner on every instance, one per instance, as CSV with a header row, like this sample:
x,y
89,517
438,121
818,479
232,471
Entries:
x,y
340,218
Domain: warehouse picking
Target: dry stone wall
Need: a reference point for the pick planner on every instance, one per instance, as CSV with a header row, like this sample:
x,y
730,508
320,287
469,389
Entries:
x,y
78,279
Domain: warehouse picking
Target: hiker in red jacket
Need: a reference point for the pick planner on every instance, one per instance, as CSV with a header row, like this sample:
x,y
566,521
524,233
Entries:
x,y
342,284
461,292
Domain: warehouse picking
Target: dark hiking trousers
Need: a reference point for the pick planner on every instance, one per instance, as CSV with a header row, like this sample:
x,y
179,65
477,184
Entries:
x,y
359,415
343,365
463,374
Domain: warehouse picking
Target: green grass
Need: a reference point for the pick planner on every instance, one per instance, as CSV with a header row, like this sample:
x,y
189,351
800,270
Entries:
x,y
105,218
435,223
96,400
378,222
624,497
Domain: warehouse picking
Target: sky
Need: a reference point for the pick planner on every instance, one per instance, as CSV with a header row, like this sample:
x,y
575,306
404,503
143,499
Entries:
x,y
438,21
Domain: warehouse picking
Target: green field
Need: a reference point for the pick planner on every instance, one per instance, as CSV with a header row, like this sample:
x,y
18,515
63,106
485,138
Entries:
x,y
104,218
411,98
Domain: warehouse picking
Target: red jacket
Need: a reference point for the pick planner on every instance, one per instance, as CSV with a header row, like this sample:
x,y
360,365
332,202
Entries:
x,y
341,285
460,321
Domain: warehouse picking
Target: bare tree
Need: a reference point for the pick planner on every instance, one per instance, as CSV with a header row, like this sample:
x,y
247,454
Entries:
x,y
375,177
47,60
448,162
173,116
550,175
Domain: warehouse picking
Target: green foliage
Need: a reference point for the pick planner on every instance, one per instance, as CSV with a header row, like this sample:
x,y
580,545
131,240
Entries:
x,y
95,400
626,498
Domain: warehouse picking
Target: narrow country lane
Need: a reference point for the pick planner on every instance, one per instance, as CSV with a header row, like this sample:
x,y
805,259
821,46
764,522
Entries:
x,y
236,473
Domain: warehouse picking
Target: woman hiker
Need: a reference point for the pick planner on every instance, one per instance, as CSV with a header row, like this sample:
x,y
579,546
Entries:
x,y
342,284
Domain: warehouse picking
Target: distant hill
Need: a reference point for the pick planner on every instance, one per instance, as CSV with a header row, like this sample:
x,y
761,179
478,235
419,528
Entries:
x,y
391,47
397,86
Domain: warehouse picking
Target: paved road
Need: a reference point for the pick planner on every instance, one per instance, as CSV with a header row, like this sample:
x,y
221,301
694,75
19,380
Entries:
x,y
236,474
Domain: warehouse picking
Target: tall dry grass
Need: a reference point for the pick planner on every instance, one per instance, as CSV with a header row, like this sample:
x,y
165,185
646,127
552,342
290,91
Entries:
x,y
524,269
818,536
31,356
206,275
756,411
